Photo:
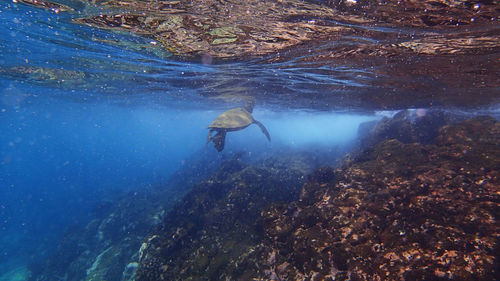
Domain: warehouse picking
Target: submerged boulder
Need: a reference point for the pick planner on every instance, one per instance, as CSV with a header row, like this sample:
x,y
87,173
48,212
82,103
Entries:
x,y
407,126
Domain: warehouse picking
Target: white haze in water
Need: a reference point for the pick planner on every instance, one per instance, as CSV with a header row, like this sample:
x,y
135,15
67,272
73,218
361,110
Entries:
x,y
99,146
299,129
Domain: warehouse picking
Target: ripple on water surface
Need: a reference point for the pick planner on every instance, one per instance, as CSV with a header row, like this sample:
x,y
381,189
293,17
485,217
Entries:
x,y
363,56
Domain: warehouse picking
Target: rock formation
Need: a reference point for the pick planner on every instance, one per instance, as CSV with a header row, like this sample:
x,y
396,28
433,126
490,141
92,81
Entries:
x,y
414,210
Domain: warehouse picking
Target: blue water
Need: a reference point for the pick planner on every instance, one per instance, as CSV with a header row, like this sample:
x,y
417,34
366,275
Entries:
x,y
122,116
89,115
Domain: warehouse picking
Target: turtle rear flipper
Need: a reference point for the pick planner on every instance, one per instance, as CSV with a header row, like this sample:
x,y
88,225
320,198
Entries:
x,y
264,130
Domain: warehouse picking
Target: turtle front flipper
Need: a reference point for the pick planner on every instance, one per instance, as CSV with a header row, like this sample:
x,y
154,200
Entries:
x,y
264,130
219,140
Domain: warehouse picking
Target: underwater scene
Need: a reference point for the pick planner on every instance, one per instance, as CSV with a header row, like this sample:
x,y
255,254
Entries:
x,y
249,140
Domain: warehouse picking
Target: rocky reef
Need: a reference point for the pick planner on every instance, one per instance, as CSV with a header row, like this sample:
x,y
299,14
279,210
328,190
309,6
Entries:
x,y
417,199
106,247
406,207
398,211
209,194
211,233
407,126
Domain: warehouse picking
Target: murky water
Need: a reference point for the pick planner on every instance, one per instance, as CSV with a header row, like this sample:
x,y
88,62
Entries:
x,y
99,100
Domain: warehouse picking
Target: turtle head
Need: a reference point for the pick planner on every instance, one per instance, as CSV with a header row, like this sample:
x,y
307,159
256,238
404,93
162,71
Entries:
x,y
249,104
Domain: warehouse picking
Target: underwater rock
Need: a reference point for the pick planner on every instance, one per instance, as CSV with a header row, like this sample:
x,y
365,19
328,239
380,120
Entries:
x,y
107,246
212,232
103,248
421,125
404,211
104,265
19,273
423,209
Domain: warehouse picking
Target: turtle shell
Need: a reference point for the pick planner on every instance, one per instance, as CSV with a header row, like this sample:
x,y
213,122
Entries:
x,y
237,118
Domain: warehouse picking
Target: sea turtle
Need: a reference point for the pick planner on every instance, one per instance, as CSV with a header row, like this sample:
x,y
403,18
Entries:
x,y
231,120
